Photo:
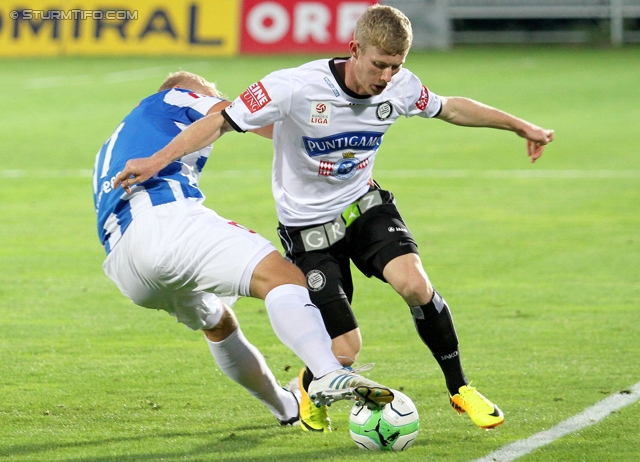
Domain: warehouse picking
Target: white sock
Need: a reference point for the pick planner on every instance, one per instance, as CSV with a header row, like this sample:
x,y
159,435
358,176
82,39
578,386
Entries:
x,y
298,324
245,365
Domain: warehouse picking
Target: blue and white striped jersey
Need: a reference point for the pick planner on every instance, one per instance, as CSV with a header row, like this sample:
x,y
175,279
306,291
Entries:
x,y
147,129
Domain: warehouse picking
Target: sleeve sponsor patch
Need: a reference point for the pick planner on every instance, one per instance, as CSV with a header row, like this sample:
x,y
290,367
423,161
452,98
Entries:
x,y
423,101
255,97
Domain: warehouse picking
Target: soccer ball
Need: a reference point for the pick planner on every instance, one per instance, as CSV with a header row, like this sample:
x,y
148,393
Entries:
x,y
392,428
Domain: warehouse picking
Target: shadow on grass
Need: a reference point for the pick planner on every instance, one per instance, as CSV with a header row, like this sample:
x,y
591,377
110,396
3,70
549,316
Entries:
x,y
229,446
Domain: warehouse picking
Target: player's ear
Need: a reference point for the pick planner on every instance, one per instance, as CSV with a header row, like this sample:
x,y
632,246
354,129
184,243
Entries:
x,y
354,48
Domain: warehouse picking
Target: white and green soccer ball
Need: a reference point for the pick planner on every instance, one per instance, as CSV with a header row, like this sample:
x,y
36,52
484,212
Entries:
x,y
393,428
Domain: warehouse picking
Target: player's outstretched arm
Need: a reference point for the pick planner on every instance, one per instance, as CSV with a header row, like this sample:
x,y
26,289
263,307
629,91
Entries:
x,y
196,136
469,113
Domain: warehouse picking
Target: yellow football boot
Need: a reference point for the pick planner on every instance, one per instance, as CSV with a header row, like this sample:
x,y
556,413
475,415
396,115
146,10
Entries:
x,y
312,418
482,412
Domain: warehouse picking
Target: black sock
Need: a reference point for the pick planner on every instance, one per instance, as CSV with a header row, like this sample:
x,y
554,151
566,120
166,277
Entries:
x,y
307,378
435,326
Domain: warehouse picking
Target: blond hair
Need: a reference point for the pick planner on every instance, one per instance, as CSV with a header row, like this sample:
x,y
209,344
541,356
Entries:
x,y
190,81
384,27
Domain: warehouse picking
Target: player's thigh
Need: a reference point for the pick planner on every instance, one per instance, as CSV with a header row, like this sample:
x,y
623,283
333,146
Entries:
x,y
377,237
137,265
218,255
273,271
173,255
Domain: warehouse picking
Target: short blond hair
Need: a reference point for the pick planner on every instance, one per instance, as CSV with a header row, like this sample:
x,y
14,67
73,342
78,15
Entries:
x,y
190,81
384,27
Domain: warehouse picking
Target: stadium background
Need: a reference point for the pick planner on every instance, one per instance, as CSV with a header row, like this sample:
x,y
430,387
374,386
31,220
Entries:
x,y
232,27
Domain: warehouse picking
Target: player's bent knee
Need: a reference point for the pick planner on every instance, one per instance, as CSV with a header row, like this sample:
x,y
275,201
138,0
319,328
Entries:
x,y
225,327
416,291
407,276
274,271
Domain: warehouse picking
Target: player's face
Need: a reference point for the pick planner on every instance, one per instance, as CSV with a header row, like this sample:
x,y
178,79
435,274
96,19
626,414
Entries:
x,y
373,69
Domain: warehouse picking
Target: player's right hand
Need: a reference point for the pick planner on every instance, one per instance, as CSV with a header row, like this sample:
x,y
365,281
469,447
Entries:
x,y
136,171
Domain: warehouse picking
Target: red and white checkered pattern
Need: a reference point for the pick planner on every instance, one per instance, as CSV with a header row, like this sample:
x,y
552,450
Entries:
x,y
363,164
326,168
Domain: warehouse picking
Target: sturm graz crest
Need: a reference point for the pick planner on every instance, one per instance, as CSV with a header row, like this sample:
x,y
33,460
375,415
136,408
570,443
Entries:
x,y
384,110
316,280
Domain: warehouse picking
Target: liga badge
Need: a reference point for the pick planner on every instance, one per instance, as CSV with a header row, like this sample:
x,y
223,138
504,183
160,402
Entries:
x,y
320,113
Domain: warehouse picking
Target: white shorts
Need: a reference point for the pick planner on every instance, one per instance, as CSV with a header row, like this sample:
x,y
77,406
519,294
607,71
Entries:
x,y
184,258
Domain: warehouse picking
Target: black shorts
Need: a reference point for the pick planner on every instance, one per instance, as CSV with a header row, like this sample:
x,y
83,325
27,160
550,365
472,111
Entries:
x,y
375,238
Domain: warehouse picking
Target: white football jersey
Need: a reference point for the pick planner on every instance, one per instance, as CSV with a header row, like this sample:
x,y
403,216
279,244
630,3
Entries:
x,y
325,136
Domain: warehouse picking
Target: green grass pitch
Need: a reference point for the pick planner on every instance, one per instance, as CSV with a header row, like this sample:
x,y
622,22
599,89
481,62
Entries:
x,y
540,264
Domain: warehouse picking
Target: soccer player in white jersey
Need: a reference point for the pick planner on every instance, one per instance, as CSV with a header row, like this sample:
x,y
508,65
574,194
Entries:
x,y
329,119
166,251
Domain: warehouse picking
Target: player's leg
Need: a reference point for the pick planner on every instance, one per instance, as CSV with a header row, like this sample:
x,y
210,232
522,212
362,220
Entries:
x,y
274,271
243,363
431,315
384,247
435,327
157,264
239,262
299,325
328,277
295,319
347,346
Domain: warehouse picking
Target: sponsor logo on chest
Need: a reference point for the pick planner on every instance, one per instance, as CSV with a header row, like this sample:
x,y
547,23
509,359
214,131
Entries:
x,y
344,169
354,141
320,113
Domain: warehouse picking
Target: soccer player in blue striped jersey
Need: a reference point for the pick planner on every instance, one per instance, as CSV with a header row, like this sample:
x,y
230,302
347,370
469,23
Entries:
x,y
166,251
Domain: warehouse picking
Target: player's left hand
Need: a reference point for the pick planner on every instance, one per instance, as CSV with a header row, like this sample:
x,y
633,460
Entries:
x,y
136,171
